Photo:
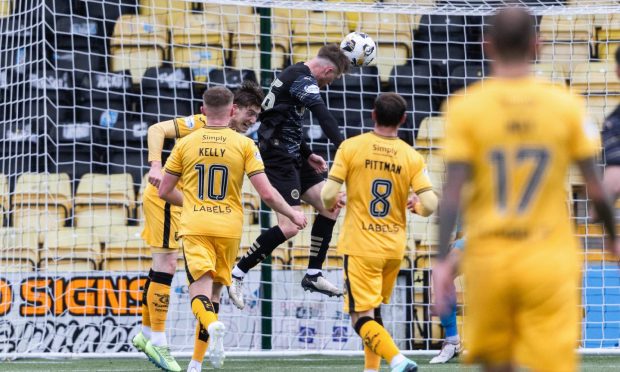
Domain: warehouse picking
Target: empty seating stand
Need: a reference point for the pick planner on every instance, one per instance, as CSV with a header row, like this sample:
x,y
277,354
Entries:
x,y
42,201
166,94
104,200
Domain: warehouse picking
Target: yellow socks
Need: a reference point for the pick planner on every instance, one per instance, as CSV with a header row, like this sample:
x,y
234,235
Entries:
x,y
201,338
376,338
146,318
203,310
158,299
372,361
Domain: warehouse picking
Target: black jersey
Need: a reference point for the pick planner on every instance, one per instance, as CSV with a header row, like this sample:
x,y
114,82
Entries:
x,y
611,138
291,93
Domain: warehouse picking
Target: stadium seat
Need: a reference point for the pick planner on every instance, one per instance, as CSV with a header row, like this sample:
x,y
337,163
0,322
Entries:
x,y
416,83
463,76
392,33
163,7
245,52
137,43
567,27
78,63
132,160
435,166
6,7
440,39
49,92
41,201
551,72
318,28
565,40
80,33
104,200
4,193
352,97
431,132
595,77
19,250
124,244
166,94
70,250
104,98
229,77
199,59
108,11
599,106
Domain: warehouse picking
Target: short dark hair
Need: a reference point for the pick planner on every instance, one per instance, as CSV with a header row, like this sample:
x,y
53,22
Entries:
x,y
512,31
618,56
389,109
249,94
217,97
335,55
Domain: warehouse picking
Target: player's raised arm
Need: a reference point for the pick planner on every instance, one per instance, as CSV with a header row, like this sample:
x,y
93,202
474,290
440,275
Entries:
x,y
156,135
275,201
174,169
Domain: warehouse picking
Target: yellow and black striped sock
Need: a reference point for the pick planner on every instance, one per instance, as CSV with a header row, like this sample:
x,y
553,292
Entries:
x,y
201,338
146,316
376,338
158,299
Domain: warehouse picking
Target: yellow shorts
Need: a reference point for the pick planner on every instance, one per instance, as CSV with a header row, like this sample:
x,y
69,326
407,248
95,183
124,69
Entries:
x,y
161,222
522,309
210,255
368,282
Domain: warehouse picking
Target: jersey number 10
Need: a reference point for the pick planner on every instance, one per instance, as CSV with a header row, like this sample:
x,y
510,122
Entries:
x,y
213,171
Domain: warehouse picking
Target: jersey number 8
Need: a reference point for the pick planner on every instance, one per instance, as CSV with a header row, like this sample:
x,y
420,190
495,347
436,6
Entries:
x,y
381,191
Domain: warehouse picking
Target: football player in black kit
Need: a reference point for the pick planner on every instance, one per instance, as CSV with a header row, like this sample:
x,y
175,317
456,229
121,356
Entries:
x,y
292,168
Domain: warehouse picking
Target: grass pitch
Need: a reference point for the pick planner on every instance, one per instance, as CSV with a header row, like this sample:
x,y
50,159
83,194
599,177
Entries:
x,y
306,363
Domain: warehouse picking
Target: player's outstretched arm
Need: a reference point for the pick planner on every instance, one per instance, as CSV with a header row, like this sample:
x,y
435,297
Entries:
x,y
328,124
331,196
168,191
600,200
156,135
275,201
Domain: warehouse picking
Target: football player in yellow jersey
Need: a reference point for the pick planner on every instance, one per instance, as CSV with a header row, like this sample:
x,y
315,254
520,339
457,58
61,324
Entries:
x,y
212,162
161,220
383,170
509,144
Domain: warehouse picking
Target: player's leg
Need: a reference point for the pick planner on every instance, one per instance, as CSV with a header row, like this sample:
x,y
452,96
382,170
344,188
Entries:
x,y
284,176
548,316
365,289
158,294
372,361
320,235
452,344
201,338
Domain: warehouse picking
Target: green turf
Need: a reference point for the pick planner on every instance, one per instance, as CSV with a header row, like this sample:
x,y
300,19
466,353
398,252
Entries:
x,y
308,363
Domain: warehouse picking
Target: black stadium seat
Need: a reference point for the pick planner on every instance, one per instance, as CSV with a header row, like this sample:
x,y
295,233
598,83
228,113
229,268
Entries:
x,y
464,76
104,97
166,94
416,83
231,78
107,11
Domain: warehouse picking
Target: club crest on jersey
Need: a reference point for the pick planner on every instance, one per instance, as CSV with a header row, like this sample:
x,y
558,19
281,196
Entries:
x,y
312,89
189,122
257,156
295,194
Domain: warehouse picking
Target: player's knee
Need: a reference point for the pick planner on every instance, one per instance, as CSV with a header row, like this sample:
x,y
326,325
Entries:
x,y
359,323
289,230
166,263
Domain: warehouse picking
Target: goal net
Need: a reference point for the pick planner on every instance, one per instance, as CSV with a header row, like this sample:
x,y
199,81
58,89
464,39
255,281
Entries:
x,y
81,81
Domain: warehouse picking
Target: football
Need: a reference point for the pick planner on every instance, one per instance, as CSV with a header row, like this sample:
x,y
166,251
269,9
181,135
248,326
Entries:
x,y
360,48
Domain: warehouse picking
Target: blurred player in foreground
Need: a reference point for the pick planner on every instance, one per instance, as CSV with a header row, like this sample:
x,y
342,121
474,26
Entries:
x,y
379,171
162,220
611,144
509,144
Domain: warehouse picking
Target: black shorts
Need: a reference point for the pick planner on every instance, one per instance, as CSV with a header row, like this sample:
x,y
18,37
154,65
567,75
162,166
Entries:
x,y
288,176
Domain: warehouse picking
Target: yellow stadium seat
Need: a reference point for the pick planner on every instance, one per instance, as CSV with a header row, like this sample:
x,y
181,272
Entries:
x,y
142,264
104,200
436,168
136,59
392,34
431,132
200,59
595,77
567,27
140,30
19,250
41,201
315,30
550,72
608,36
163,7
5,8
599,106
124,249
566,55
198,29
4,192
72,249
229,14
246,43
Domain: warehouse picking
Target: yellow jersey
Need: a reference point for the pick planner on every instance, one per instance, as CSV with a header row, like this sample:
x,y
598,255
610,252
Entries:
x,y
379,173
520,137
211,162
